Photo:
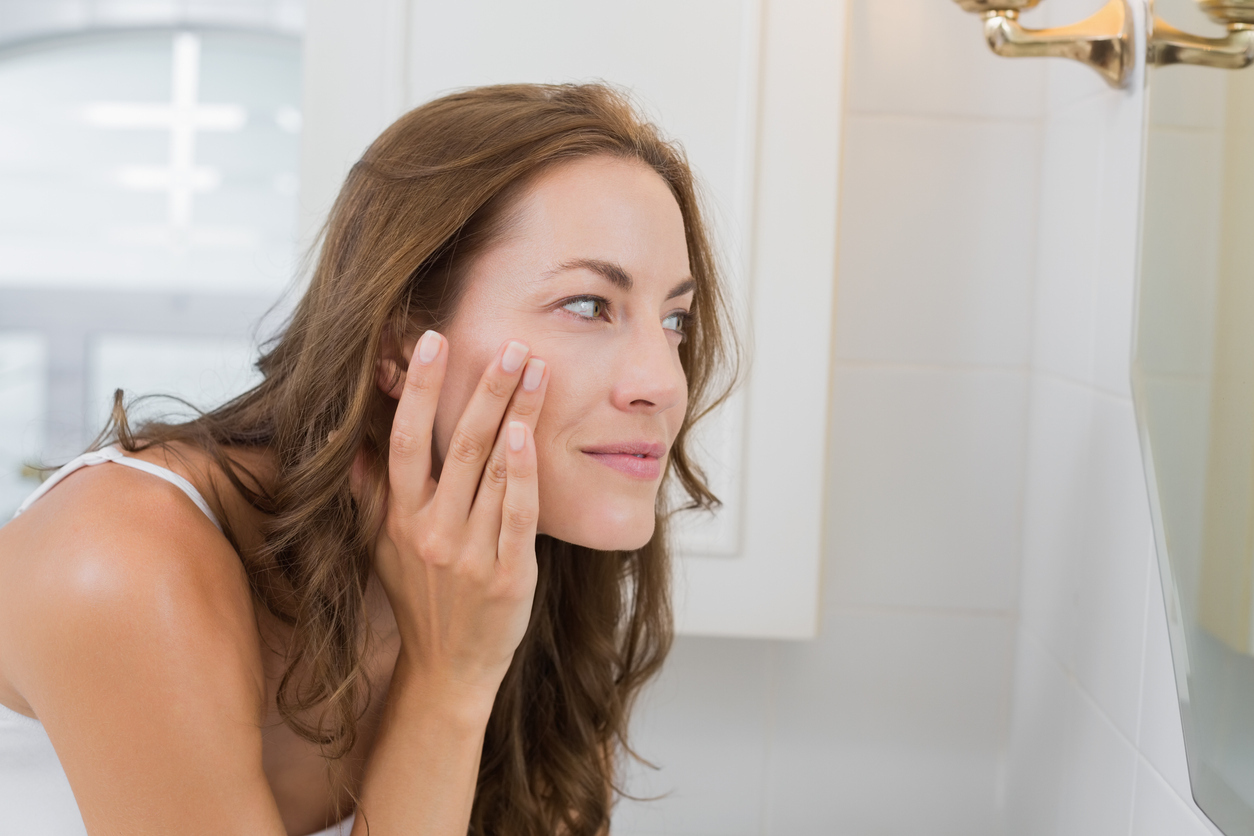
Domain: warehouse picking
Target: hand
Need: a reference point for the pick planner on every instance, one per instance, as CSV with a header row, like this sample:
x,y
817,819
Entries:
x,y
457,557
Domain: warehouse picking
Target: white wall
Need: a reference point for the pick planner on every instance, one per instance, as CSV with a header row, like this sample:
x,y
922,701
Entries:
x,y
1095,742
894,720
993,657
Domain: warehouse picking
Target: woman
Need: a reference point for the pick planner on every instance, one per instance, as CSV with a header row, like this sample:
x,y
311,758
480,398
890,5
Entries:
x,y
420,571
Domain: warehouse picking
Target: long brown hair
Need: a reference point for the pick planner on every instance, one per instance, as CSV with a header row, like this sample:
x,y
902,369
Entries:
x,y
429,193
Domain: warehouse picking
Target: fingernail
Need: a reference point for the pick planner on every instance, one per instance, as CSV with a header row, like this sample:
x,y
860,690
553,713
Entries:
x,y
517,435
535,371
515,352
428,347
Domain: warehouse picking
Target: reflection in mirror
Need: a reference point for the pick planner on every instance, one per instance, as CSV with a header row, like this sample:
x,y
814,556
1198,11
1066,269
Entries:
x,y
1193,379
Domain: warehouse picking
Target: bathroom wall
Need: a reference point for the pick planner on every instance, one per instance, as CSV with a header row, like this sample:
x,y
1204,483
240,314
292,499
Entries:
x,y
895,720
1095,742
993,657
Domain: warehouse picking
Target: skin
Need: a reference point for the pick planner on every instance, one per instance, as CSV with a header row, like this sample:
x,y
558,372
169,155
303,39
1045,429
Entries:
x,y
615,370
115,585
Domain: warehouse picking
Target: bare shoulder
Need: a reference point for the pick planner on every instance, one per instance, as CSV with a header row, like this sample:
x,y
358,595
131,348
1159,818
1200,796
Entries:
x,y
127,627
114,538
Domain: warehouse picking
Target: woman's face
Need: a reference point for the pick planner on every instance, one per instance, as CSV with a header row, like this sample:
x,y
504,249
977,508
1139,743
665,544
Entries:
x,y
591,272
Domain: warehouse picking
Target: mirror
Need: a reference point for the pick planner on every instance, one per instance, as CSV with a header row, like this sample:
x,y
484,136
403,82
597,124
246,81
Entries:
x,y
1193,382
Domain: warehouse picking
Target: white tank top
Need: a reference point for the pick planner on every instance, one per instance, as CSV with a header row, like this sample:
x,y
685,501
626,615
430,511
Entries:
x,y
35,795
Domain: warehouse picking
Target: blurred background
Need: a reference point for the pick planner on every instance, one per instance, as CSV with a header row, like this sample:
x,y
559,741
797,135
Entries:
x,y
992,655
148,184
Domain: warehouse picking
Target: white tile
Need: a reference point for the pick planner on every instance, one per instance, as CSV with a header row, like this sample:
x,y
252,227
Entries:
x,y
1160,736
1159,811
1070,81
1097,786
1115,287
704,724
1085,537
928,57
890,722
1038,731
1086,532
1112,573
1059,439
1071,771
936,241
1069,239
923,495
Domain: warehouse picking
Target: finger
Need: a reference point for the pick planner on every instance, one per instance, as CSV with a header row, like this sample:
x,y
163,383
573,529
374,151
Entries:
x,y
409,446
525,406
476,430
520,510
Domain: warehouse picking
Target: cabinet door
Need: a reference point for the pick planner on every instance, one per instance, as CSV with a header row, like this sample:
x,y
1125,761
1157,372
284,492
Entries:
x,y
752,89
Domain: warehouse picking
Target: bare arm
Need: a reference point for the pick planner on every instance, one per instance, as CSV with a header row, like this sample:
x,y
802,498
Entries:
x,y
457,560
127,626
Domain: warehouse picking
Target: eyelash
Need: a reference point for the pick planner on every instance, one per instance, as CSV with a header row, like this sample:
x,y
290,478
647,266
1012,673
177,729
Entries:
x,y
684,316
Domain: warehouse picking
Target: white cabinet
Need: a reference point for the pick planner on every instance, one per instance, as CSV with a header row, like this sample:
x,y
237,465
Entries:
x,y
753,92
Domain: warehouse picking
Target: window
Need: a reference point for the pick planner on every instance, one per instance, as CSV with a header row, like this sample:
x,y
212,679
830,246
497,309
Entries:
x,y
147,222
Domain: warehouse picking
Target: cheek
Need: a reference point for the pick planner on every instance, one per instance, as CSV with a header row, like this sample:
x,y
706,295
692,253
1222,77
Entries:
x,y
461,377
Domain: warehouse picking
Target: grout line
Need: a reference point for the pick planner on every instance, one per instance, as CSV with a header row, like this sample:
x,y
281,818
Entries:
x,y
1060,110
1188,803
895,365
946,118
1088,386
772,695
1070,676
928,610
1186,130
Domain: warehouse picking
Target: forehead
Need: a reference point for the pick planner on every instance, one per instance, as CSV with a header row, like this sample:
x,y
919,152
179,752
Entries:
x,y
599,208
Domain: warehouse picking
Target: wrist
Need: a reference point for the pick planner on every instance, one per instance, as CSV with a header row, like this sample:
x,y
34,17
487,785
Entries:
x,y
462,705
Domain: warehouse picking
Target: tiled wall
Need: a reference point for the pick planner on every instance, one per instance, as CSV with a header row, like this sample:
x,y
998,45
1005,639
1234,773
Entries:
x,y
993,656
895,719
1095,743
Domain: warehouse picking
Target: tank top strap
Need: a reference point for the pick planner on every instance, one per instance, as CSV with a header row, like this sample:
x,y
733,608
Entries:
x,y
112,454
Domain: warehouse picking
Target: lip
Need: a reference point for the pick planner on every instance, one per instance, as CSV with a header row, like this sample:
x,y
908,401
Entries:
x,y
638,459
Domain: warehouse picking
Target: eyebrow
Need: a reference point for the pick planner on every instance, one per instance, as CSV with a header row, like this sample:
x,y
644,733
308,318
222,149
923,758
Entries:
x,y
615,274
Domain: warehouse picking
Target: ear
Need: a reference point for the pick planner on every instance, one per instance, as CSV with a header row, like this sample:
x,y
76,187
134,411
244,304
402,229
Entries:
x,y
393,360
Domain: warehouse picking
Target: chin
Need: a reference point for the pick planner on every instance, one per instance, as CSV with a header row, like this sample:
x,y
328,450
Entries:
x,y
603,529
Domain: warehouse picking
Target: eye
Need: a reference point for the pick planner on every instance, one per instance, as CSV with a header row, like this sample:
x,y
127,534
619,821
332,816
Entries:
x,y
588,307
681,325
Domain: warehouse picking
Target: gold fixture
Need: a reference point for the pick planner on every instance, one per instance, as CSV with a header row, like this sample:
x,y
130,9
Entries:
x,y
1168,45
1103,41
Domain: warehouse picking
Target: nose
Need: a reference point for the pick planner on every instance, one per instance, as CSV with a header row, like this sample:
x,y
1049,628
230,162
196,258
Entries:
x,y
650,379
